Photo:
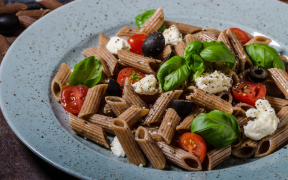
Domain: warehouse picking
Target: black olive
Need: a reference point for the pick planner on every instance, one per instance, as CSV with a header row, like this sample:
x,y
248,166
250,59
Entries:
x,y
8,23
168,57
153,45
182,107
113,89
258,74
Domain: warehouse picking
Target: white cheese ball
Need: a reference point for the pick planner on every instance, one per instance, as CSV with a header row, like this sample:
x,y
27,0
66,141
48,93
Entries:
x,y
116,43
117,148
214,83
172,35
147,85
265,122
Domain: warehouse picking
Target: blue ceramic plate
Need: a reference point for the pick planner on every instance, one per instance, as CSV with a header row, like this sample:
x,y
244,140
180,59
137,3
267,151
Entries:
x,y
35,57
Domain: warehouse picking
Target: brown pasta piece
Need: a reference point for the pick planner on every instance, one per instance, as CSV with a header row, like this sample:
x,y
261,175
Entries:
x,y
11,39
276,103
133,115
259,40
280,78
272,89
283,58
179,48
166,51
144,64
217,156
226,70
26,21
108,110
244,106
151,98
103,40
180,157
127,31
88,130
12,8
50,4
183,28
60,79
108,58
206,36
102,121
93,100
153,23
187,122
242,120
283,116
92,51
238,143
249,35
128,143
117,104
150,148
192,37
4,45
246,149
227,96
158,110
214,32
36,14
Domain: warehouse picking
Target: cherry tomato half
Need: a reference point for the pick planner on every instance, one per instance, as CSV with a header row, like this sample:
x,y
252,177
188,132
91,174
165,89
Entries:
x,y
248,92
243,37
72,97
127,72
194,144
136,42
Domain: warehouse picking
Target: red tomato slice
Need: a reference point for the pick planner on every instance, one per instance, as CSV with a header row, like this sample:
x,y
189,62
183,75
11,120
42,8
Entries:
x,y
248,92
243,37
136,42
127,72
194,144
72,97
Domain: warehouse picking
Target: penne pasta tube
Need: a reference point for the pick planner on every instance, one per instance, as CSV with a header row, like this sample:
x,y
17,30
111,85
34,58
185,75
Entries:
x,y
4,45
244,76
259,40
36,14
183,28
131,97
276,103
153,23
238,143
206,36
283,58
249,35
209,101
242,120
50,4
151,98
108,110
92,51
179,48
272,89
154,133
166,51
283,116
93,100
226,70
88,130
214,32
227,96
244,106
144,64
168,125
158,110
246,149
60,79
180,157
103,40
217,156
26,21
108,58
280,78
12,8
127,31
11,39
128,143
133,115
117,104
102,121
272,142
192,37
150,148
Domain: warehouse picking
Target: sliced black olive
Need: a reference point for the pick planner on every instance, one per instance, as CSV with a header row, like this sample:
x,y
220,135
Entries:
x,y
168,57
8,23
113,89
153,45
182,107
258,74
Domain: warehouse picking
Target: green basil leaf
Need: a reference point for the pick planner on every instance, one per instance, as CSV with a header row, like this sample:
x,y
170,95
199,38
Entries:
x,y
218,128
265,56
135,76
194,47
212,43
142,18
196,74
173,73
195,62
87,72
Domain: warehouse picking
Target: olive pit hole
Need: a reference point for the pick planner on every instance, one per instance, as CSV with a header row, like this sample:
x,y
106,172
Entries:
x,y
264,147
259,71
191,163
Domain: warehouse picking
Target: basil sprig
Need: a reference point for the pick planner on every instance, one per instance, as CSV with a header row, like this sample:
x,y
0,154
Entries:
x,y
87,72
217,128
265,56
142,18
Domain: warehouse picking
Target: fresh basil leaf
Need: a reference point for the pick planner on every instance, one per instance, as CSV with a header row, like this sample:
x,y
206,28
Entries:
x,y
265,56
193,47
135,76
173,73
142,18
87,72
195,62
196,74
212,43
218,128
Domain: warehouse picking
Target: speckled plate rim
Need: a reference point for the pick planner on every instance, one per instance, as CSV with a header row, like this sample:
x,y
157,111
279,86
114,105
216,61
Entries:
x,y
27,115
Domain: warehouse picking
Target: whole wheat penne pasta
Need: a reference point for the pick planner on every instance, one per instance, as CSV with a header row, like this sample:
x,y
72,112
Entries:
x,y
272,142
117,104
26,21
157,137
108,110
88,130
276,103
280,78
208,101
124,37
166,51
179,48
50,4
238,143
244,76
242,120
214,32
144,64
102,121
133,115
36,14
283,58
60,79
227,96
249,35
259,40
244,106
154,133
11,39
192,37
272,89
4,45
183,28
206,36
168,125
217,156
128,143
131,97
226,70
153,23
150,148
109,58
103,40
1,2
283,116
180,157
12,8
127,31
93,100
246,149
238,111
245,61
151,98
158,110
